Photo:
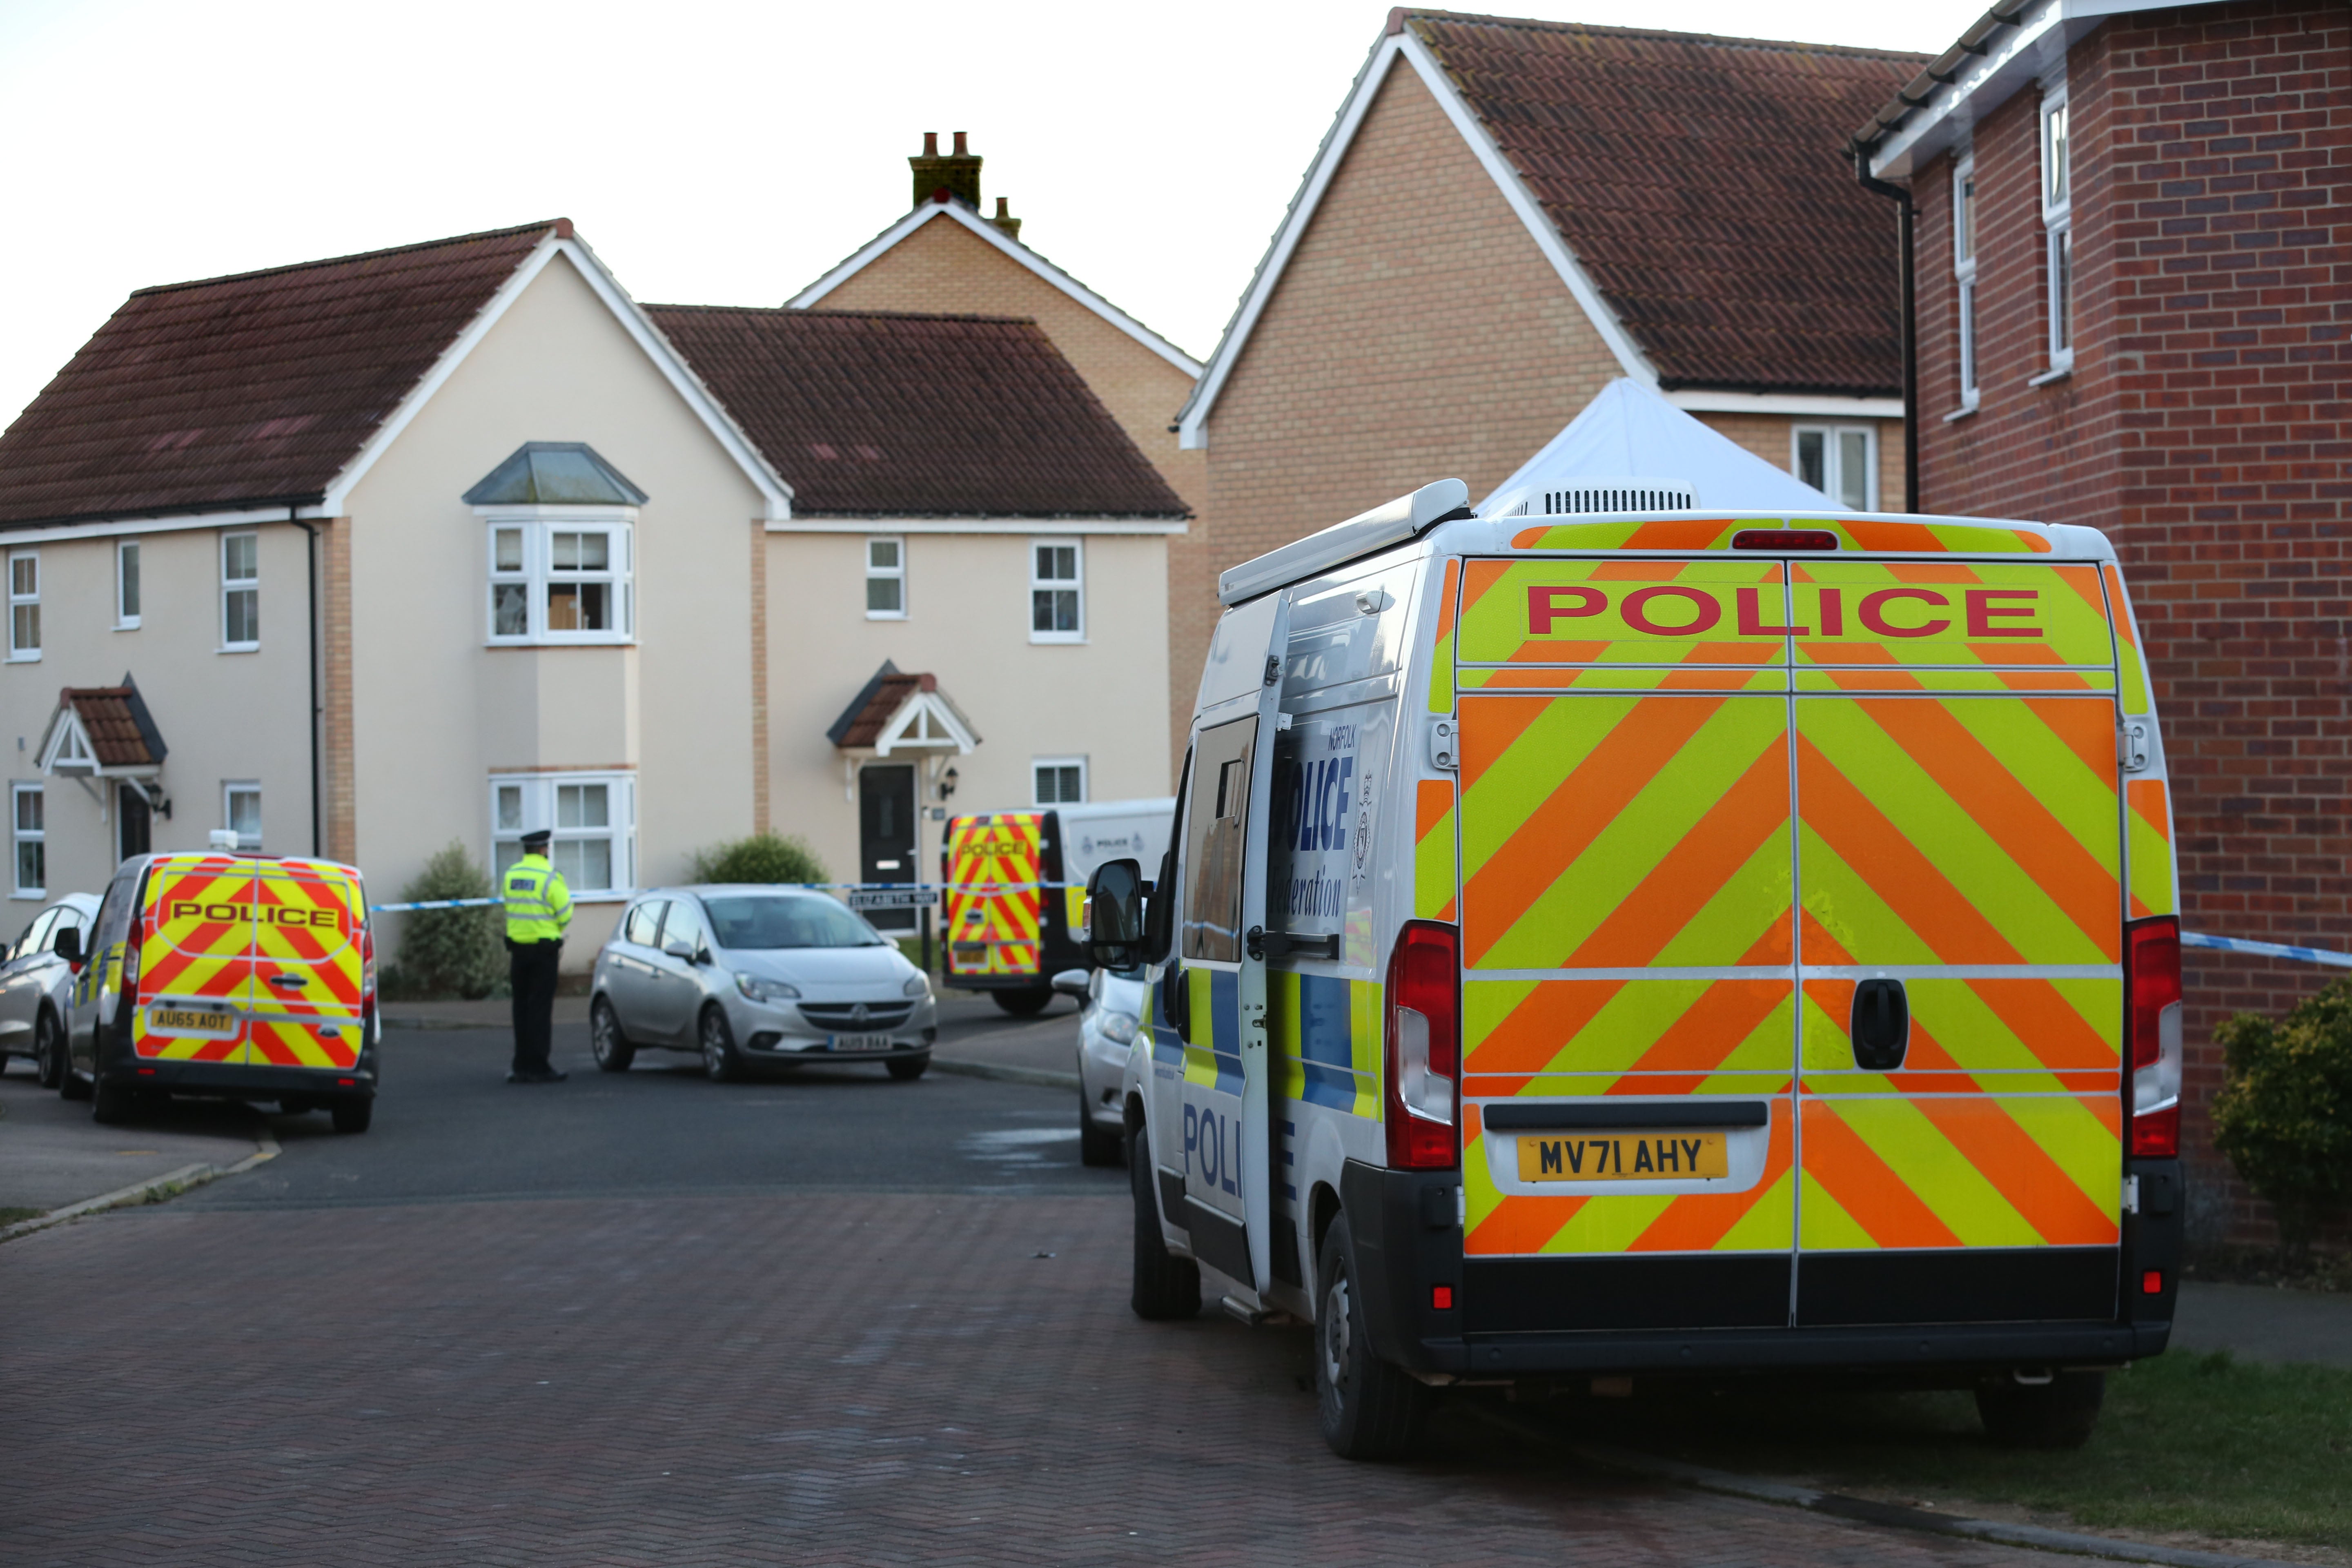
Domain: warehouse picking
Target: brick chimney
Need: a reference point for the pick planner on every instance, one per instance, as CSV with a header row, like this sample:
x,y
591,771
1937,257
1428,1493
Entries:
x,y
956,174
1005,220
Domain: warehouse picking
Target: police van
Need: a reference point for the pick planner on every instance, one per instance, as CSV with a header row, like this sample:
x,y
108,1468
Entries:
x,y
226,976
1617,946
1016,884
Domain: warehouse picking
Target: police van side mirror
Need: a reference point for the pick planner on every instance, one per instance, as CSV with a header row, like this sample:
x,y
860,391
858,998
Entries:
x,y
1115,915
67,946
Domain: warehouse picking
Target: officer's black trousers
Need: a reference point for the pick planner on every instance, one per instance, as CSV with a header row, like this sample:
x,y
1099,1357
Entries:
x,y
531,969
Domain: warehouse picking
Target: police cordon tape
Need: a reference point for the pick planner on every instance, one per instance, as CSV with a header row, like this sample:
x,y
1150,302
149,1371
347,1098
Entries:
x,y
2267,949
877,895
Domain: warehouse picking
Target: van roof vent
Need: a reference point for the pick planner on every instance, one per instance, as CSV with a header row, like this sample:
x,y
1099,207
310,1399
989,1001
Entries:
x,y
1611,494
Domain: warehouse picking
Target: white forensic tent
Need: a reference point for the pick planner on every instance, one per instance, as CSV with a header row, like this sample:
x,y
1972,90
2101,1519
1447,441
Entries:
x,y
1630,451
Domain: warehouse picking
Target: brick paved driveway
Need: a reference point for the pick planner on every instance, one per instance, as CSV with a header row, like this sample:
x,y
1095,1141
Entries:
x,y
806,1378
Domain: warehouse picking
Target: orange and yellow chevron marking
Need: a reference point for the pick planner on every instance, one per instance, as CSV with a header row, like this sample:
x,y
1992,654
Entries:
x,y
1877,536
1498,1223
198,947
1628,1037
1935,831
983,854
2024,1036
1974,1171
1441,667
2127,653
2147,826
1607,832
1900,614
1434,869
1721,611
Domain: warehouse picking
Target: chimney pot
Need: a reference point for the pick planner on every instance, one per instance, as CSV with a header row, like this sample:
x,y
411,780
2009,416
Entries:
x,y
930,143
960,152
940,176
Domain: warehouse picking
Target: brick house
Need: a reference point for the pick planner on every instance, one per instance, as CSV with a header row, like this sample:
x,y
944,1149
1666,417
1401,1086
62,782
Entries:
x,y
2131,265
1505,216
941,254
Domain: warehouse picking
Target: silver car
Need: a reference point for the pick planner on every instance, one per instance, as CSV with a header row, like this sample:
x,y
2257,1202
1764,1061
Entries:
x,y
36,987
1110,1011
754,976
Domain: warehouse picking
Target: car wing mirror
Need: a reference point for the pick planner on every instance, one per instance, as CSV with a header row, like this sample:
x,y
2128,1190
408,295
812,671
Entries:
x,y
684,951
67,946
1072,982
1115,915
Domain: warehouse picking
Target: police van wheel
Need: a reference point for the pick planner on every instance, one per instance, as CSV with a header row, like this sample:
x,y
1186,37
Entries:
x,y
720,1062
1025,1003
605,1042
354,1115
2059,1413
1371,1409
1167,1288
111,1104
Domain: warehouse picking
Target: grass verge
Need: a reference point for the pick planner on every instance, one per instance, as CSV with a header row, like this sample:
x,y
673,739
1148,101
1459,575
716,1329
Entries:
x,y
2202,1444
11,1216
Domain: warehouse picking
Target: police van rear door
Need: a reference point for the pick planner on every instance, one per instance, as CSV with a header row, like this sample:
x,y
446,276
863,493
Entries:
x,y
195,939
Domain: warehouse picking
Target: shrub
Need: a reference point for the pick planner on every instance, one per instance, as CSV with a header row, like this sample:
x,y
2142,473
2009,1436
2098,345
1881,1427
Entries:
x,y
763,857
446,952
2284,1114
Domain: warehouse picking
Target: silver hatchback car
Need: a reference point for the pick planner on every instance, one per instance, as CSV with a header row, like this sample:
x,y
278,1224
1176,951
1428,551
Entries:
x,y
757,976
36,987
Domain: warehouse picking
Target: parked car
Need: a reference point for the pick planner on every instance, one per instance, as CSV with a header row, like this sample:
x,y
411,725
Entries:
x,y
1111,1010
36,987
757,976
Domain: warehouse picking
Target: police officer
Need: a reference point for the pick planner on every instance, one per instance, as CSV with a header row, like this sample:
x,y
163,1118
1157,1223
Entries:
x,y
538,906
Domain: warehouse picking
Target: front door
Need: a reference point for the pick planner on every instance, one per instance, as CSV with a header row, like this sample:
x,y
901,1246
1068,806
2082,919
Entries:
x,y
886,833
132,817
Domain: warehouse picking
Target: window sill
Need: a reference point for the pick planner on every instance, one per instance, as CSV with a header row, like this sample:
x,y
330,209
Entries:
x,y
31,895
238,647
1058,640
126,625
559,642
2056,373
886,615
33,657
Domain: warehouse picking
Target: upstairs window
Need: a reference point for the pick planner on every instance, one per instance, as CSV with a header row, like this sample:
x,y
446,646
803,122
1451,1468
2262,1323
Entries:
x,y
240,592
886,579
2058,227
1058,780
24,604
27,826
561,581
1058,611
1964,271
126,585
1841,461
241,812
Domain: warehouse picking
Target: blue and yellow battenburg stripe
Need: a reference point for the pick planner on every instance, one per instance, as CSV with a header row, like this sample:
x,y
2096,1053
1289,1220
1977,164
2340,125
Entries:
x,y
1325,1033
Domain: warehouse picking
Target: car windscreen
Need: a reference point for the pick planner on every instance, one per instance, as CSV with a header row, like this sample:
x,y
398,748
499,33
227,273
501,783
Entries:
x,y
753,921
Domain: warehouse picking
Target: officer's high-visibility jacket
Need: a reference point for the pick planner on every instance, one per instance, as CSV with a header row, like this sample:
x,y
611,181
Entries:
x,y
538,906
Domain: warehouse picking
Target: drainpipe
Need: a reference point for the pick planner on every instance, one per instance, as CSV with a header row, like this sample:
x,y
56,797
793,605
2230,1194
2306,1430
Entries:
x,y
1906,221
310,536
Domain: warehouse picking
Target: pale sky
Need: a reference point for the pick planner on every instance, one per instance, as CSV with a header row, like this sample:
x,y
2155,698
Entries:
x,y
712,153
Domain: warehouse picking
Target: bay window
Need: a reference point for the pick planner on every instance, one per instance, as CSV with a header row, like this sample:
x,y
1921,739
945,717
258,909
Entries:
x,y
560,580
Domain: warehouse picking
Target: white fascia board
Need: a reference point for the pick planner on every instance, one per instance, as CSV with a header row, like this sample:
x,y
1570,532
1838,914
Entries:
x,y
774,492
1013,249
1191,422
28,535
2015,58
1017,525
1802,406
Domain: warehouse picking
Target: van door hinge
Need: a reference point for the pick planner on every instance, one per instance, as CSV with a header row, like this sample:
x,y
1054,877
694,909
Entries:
x,y
1444,743
2131,748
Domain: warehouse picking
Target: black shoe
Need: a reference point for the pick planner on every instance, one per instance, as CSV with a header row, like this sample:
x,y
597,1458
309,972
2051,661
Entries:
x,y
550,1076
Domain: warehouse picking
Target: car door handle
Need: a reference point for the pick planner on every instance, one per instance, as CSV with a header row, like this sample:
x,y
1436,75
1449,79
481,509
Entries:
x,y
290,980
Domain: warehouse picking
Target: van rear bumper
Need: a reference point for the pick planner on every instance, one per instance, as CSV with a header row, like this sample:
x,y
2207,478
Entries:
x,y
1959,1347
232,1080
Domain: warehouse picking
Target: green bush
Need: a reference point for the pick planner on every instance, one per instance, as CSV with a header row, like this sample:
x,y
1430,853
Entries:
x,y
2284,1114
450,952
763,857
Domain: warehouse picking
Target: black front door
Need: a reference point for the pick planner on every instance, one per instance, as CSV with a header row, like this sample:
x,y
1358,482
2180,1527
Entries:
x,y
886,833
132,815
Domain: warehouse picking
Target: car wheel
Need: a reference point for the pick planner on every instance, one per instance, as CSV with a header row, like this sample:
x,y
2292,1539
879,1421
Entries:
x,y
1166,1287
111,1104
907,1069
1370,1408
1025,1003
354,1115
1097,1144
718,1059
2059,1413
611,1048
49,1049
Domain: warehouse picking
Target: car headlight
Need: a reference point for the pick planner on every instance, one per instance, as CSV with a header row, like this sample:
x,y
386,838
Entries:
x,y
758,990
1119,1028
918,985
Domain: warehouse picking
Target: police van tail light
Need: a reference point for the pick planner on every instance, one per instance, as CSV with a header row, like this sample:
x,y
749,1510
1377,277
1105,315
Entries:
x,y
2152,1024
367,966
132,944
1424,1046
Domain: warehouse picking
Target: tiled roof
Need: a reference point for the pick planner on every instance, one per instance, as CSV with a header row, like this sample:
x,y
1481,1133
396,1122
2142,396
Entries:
x,y
246,391
1703,183
868,713
873,414
115,718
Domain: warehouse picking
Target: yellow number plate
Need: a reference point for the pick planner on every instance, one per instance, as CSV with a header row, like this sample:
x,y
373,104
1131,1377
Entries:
x,y
1622,1156
188,1021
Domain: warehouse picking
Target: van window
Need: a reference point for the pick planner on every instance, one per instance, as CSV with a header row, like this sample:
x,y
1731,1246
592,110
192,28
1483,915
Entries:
x,y
114,915
1219,790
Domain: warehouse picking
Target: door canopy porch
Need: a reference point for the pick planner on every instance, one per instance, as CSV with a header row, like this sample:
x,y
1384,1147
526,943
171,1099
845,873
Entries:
x,y
102,733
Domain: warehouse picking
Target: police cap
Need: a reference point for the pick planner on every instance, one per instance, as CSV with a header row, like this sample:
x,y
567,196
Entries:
x,y
537,838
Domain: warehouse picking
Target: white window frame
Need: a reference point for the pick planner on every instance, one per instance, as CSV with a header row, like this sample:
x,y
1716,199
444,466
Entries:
x,y
1039,764
2057,174
21,652
230,789
1834,462
878,574
1965,232
538,574
1075,584
128,561
20,835
538,795
230,586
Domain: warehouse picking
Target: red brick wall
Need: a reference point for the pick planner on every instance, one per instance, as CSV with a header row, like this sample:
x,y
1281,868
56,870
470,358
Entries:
x,y
2203,429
